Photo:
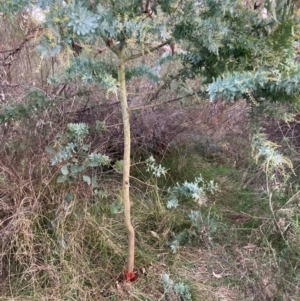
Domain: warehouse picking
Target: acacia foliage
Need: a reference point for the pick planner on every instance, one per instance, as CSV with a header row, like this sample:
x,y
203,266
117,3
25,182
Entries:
x,y
238,53
235,52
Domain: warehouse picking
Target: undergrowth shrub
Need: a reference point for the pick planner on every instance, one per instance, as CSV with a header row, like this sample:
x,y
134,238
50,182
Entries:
x,y
277,232
175,291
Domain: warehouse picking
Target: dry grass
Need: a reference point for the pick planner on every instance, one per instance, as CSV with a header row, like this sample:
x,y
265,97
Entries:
x,y
55,250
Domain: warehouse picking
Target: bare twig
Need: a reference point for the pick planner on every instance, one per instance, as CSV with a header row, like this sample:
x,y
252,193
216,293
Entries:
x,y
11,52
158,104
147,51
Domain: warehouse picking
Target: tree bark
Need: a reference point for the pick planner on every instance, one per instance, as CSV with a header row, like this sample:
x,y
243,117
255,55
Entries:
x,y
126,166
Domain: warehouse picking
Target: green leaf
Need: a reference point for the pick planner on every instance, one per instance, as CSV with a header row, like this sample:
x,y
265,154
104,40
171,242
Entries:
x,y
61,241
94,182
68,197
74,169
55,51
64,170
101,194
61,179
118,166
98,160
78,131
50,149
100,126
81,19
116,207
87,179
43,50
52,224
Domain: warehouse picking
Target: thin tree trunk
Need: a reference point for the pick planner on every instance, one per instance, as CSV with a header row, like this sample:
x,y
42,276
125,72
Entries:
x,y
126,166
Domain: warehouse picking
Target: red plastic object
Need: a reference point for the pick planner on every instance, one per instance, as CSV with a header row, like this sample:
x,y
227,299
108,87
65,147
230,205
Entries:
x,y
131,276
128,277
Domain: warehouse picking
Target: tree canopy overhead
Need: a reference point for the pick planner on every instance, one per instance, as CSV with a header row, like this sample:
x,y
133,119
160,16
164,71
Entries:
x,y
230,45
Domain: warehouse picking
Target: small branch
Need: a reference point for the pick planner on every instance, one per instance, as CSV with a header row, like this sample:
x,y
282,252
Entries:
x,y
159,104
147,6
147,51
147,10
165,84
5,51
290,200
12,52
9,85
100,50
60,90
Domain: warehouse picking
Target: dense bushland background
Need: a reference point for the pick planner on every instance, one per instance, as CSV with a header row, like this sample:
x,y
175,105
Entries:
x,y
65,239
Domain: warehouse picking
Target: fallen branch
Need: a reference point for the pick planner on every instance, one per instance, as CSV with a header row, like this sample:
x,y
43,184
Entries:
x,y
159,104
14,51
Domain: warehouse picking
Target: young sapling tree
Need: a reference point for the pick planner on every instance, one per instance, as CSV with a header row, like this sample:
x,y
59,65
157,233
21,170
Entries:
x,y
127,30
